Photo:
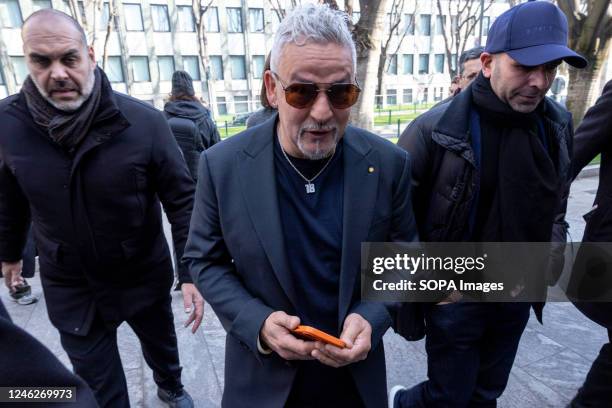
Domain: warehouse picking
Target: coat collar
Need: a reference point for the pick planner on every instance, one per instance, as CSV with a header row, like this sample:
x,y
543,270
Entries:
x,y
452,130
258,182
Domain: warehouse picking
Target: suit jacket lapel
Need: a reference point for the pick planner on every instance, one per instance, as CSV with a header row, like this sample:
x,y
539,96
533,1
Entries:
x,y
361,169
258,182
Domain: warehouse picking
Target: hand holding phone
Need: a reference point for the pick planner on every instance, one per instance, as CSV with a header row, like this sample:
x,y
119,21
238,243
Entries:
x,y
357,336
310,333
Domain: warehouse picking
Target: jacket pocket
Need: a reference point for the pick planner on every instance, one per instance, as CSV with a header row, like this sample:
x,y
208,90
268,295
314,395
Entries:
x,y
132,247
49,250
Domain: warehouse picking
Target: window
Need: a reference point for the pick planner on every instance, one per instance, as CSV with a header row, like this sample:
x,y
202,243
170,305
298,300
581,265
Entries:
x,y
425,25
165,64
356,16
391,96
258,65
238,67
439,63
140,69
392,67
81,10
216,63
409,24
408,95
438,93
186,22
408,64
241,104
234,20
64,7
40,4
191,64
10,14
256,20
159,15
486,23
221,105
1,78
114,69
440,23
424,64
212,20
425,95
391,19
104,16
133,17
20,69
454,23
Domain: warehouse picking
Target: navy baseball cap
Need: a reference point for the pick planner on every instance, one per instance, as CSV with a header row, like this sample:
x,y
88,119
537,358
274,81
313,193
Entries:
x,y
533,33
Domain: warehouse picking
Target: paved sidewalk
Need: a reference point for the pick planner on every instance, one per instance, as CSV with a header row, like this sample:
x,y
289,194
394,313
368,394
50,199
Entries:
x,y
551,363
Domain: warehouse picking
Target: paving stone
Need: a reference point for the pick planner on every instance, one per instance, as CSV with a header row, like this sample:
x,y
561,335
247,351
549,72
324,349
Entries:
x,y
563,372
551,364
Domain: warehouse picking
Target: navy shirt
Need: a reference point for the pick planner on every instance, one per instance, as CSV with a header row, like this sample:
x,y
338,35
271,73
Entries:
x,y
312,228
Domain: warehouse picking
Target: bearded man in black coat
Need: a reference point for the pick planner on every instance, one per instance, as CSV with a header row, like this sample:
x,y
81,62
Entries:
x,y
90,167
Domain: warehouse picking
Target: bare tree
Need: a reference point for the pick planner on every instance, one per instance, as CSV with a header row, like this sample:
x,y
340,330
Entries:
x,y
367,34
200,7
112,22
280,12
590,31
466,16
88,8
397,10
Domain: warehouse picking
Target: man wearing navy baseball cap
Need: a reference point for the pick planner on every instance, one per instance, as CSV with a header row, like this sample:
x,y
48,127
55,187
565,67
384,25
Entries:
x,y
503,149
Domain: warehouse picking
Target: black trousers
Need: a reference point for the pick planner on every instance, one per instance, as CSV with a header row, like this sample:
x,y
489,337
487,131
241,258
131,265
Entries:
x,y
597,388
470,351
28,256
95,357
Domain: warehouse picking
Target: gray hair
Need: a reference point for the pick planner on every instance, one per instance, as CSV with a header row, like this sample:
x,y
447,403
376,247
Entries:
x,y
313,22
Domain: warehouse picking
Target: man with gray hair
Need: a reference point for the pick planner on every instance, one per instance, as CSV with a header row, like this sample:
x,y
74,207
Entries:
x,y
90,168
280,213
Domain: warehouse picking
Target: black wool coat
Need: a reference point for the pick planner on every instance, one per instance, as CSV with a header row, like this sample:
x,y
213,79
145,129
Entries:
x,y
593,137
95,214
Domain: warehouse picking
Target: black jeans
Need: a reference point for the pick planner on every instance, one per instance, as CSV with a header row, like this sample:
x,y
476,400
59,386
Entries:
x,y
28,257
470,351
95,357
597,388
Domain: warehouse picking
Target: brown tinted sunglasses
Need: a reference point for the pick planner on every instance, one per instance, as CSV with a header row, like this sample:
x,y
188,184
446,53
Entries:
x,y
301,95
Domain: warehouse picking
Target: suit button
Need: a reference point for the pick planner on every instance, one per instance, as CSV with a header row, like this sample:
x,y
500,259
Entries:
x,y
65,186
76,329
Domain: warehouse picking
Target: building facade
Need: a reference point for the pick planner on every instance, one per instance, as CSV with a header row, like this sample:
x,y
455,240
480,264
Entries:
x,y
152,38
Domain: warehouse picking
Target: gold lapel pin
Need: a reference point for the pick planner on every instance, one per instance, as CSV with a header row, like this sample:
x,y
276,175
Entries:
x,y
370,169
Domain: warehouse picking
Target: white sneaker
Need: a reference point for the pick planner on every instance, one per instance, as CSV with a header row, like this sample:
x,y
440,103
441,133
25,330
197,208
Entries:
x,y
393,393
26,300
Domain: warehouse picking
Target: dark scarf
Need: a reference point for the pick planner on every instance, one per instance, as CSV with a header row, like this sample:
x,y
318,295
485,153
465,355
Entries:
x,y
67,129
520,186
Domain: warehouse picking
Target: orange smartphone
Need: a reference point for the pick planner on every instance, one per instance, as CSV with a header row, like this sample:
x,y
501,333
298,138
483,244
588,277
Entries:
x,y
310,333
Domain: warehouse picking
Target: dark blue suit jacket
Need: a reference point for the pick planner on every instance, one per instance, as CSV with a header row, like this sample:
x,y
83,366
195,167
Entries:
x,y
236,255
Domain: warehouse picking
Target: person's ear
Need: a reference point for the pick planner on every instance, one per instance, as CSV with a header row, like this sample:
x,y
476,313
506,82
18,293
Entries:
x,y
486,60
270,89
92,55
